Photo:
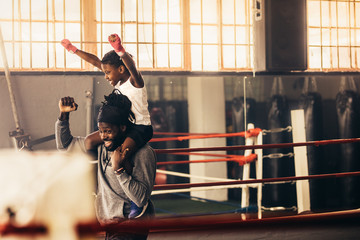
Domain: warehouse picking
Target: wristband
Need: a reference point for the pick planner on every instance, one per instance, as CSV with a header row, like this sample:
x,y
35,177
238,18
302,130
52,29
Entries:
x,y
119,171
121,53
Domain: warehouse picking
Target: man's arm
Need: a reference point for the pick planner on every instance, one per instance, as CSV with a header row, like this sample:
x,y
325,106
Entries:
x,y
63,135
139,185
88,57
136,77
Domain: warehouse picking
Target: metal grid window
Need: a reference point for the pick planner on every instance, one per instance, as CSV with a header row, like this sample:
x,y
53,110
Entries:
x,y
167,35
32,29
151,30
220,35
334,34
171,35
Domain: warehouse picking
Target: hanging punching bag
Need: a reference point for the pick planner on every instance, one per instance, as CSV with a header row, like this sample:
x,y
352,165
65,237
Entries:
x,y
311,102
348,112
173,112
278,194
159,123
238,125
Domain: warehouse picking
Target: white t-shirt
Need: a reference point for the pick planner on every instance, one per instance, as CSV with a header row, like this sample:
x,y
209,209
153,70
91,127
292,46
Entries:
x,y
139,103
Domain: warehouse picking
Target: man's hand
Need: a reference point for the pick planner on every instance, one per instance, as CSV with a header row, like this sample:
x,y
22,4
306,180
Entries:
x,y
67,104
68,46
115,42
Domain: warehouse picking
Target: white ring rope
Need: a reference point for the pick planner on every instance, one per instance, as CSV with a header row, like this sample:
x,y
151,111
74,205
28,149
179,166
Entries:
x,y
158,192
253,185
194,176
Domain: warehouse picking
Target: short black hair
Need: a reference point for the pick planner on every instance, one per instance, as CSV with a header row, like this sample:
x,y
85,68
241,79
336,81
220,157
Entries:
x,y
112,58
116,109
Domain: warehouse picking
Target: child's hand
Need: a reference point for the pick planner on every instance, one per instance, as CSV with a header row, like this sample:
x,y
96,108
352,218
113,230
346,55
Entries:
x,y
115,42
118,157
68,46
67,104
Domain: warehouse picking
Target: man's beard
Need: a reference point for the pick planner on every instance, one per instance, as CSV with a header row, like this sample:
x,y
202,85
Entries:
x,y
116,143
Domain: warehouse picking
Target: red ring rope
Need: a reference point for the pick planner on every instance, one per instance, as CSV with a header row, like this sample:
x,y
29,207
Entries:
x,y
240,159
179,133
206,154
250,133
264,146
33,229
205,222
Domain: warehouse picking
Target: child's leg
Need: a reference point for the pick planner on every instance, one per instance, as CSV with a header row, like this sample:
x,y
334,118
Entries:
x,y
136,211
127,148
136,138
129,145
93,140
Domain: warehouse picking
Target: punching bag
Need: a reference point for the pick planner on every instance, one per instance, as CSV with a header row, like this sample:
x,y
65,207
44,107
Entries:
x,y
159,124
348,112
173,115
311,102
238,125
282,194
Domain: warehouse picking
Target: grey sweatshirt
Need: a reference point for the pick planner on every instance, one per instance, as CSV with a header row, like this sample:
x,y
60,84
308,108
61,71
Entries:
x,y
115,191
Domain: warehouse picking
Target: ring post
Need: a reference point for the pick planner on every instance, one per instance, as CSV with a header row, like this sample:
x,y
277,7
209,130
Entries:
x,y
245,196
300,158
259,172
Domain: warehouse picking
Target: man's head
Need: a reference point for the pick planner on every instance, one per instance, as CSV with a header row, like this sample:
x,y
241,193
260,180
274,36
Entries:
x,y
114,68
114,119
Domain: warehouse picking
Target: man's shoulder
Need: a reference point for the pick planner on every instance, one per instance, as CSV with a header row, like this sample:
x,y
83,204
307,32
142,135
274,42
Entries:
x,y
145,150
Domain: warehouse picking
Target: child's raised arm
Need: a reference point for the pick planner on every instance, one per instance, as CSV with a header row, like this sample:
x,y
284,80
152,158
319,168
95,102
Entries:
x,y
88,57
136,78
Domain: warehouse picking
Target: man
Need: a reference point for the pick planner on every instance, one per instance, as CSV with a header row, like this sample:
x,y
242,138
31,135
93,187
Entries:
x,y
119,183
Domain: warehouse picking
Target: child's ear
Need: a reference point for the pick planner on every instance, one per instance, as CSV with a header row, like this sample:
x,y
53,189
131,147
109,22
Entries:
x,y
123,128
122,69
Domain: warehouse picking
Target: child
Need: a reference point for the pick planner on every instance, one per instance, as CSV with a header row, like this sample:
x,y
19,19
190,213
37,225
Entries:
x,y
121,72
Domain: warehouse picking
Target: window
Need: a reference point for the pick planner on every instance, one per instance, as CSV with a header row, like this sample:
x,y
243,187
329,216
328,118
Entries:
x,y
150,30
334,34
171,35
32,30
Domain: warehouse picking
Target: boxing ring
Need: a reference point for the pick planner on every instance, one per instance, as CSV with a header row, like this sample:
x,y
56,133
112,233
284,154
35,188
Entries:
x,y
249,222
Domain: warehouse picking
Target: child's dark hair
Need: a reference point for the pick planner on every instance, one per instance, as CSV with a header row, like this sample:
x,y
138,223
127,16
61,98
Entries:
x,y
113,59
116,109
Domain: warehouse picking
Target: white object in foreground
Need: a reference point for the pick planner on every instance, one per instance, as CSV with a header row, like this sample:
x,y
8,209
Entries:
x,y
50,188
